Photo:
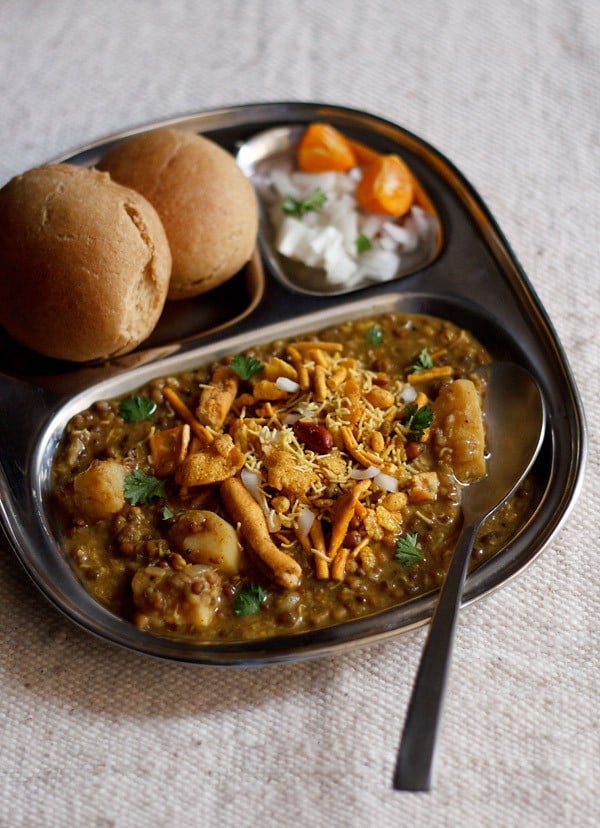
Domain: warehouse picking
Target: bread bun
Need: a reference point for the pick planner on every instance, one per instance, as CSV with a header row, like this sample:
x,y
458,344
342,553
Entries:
x,y
84,263
206,203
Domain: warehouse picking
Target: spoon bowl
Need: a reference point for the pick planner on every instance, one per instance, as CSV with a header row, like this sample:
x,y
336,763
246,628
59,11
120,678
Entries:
x,y
515,420
515,424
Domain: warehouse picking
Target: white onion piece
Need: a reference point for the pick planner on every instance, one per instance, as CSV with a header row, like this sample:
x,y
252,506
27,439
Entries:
x,y
290,419
324,239
409,393
284,183
386,481
387,243
398,233
364,474
422,220
328,181
306,518
292,238
286,384
379,264
371,224
410,242
251,481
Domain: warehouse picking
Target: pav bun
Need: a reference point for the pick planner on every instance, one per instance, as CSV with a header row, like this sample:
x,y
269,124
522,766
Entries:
x,y
84,263
207,205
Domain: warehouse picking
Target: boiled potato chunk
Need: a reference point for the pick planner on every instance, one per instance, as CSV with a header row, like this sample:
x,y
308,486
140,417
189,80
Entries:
x,y
98,491
206,538
458,420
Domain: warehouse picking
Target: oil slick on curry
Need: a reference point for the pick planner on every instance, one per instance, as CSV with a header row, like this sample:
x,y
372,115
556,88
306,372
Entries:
x,y
298,485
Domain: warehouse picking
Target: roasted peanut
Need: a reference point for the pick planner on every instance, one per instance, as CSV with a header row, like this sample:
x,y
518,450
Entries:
x,y
380,397
377,441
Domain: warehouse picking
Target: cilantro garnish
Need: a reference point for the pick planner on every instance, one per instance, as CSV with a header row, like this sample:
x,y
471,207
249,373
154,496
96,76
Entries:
x,y
140,487
417,419
166,513
374,335
363,243
314,201
407,550
136,408
245,367
249,599
423,363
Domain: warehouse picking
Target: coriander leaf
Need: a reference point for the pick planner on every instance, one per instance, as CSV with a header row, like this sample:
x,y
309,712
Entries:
x,y
166,513
314,201
291,206
248,599
136,407
139,487
407,550
417,419
363,243
245,367
423,363
374,335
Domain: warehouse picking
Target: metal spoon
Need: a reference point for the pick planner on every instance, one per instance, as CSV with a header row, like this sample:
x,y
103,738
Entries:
x,y
515,419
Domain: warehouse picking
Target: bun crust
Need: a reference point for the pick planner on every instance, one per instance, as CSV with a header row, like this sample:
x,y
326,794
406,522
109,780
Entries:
x,y
207,205
84,263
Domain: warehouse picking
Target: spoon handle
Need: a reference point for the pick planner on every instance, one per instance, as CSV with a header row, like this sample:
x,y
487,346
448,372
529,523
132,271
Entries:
x,y
416,755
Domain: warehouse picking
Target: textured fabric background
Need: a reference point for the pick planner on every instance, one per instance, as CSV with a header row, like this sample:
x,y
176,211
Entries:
x,y
94,736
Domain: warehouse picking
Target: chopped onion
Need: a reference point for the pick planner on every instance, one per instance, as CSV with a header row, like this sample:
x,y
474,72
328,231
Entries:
x,y
285,384
251,481
409,393
412,241
364,474
422,219
306,518
292,238
398,233
379,264
387,482
387,244
371,224
324,238
283,182
290,419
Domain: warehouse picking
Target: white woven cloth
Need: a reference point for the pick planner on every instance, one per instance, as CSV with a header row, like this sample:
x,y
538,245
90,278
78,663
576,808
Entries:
x,y
91,735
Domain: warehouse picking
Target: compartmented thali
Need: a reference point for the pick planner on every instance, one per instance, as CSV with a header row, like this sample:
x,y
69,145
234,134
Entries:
x,y
469,276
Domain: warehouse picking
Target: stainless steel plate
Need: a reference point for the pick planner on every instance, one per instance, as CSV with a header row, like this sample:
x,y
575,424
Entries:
x,y
475,281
